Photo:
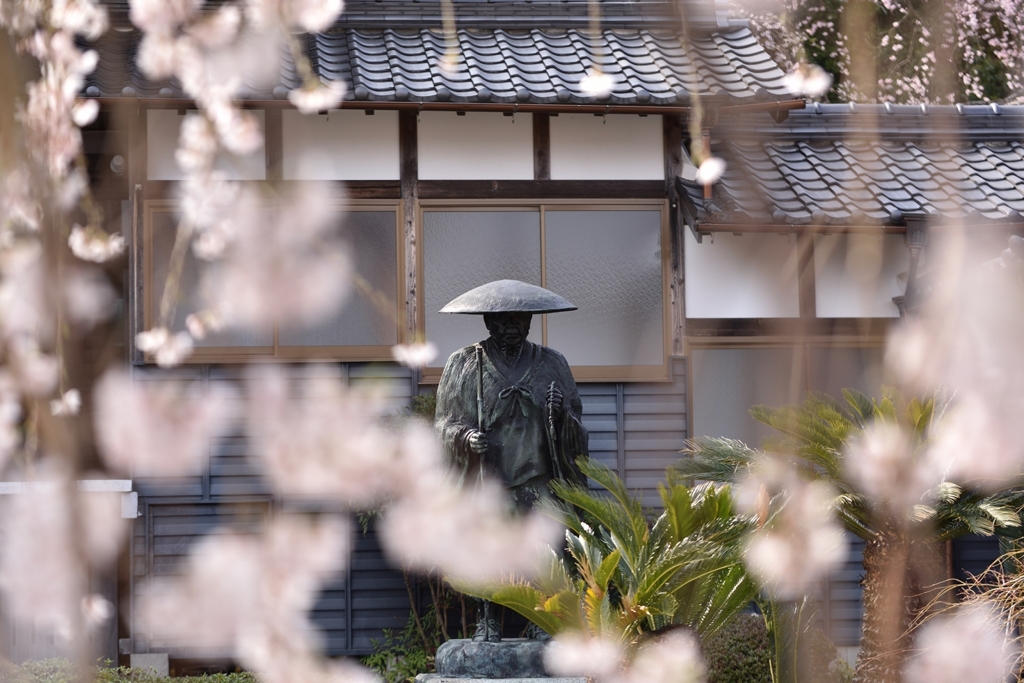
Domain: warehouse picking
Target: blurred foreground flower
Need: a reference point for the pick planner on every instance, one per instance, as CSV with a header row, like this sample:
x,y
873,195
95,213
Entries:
x,y
53,535
414,355
710,171
68,404
799,542
466,534
252,594
283,271
321,440
573,654
168,349
671,658
149,429
318,98
597,84
885,464
969,647
809,80
91,244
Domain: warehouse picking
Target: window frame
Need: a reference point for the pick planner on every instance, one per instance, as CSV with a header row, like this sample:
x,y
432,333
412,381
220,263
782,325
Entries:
x,y
798,344
586,373
277,352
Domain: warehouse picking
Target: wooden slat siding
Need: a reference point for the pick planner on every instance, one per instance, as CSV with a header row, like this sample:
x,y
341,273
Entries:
x,y
379,597
655,419
972,555
330,616
843,592
234,471
168,532
390,381
601,418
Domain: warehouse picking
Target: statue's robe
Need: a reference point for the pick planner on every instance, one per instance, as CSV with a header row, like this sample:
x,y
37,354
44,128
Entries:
x,y
525,449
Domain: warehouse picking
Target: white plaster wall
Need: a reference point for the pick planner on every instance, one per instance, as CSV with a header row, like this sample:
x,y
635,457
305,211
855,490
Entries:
x,y
477,146
340,145
855,275
162,126
613,147
741,276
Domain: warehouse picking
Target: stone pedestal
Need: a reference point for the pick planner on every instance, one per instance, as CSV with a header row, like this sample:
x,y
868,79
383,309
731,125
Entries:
x,y
510,658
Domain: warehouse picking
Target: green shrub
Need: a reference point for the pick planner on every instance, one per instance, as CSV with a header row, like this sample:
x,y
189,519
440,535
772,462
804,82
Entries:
x,y
63,671
739,653
399,659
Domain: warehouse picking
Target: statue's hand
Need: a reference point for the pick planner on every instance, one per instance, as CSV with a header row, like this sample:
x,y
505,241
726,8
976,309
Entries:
x,y
555,401
478,442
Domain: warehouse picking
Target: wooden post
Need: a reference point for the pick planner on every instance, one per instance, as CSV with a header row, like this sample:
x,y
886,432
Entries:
x,y
409,172
672,127
137,171
274,143
541,147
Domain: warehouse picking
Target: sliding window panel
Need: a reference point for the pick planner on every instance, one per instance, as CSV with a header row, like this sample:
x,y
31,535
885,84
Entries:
x,y
465,249
369,315
196,289
608,263
728,382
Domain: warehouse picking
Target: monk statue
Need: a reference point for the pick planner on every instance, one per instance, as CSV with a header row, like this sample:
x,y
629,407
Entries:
x,y
508,408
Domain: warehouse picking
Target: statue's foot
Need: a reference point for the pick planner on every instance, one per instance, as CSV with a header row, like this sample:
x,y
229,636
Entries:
x,y
534,632
487,631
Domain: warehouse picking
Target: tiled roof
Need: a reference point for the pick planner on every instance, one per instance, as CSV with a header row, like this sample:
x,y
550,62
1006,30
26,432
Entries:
x,y
699,15
828,165
497,65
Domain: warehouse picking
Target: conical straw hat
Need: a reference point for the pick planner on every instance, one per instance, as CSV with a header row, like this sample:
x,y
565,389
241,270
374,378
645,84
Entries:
x,y
508,296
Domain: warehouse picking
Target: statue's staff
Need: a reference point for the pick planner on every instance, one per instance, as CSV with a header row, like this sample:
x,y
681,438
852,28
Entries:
x,y
556,463
480,399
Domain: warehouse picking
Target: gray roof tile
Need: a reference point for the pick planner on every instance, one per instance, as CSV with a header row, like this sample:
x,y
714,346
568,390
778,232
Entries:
x,y
875,167
650,65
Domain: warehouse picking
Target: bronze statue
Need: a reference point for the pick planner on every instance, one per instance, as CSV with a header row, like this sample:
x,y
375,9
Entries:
x,y
509,408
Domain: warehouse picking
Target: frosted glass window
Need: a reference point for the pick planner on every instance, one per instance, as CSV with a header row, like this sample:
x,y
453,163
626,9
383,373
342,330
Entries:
x,y
367,318
741,276
833,369
608,263
727,383
466,249
855,276
339,145
191,297
162,131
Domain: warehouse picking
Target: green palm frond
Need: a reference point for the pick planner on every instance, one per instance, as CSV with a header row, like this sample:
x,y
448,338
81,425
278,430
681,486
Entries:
x,y
637,574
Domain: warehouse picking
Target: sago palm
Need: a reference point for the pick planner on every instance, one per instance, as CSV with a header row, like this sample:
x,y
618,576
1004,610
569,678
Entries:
x,y
818,433
625,574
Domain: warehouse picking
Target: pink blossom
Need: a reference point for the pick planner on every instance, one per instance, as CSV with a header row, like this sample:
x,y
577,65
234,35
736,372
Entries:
x,y
84,17
157,428
251,594
597,84
168,349
969,647
288,268
319,439
162,16
92,244
467,534
320,98
314,16
800,541
674,657
572,654
69,403
416,355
